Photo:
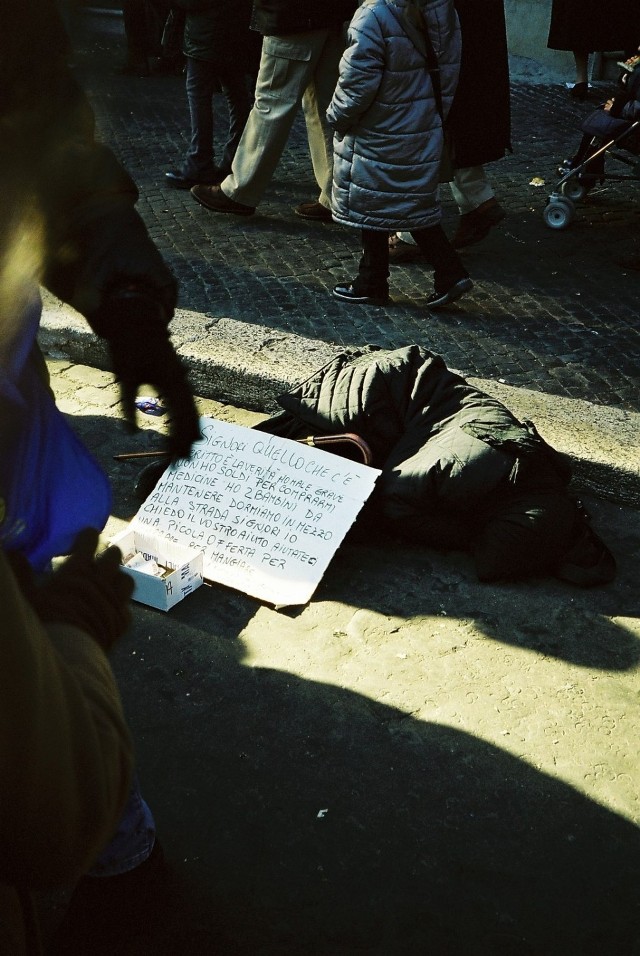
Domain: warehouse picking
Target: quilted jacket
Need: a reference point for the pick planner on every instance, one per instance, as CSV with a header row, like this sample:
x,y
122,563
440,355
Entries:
x,y
388,130
459,471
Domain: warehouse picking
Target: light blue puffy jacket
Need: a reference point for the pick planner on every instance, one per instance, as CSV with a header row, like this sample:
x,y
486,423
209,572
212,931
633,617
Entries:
x,y
388,132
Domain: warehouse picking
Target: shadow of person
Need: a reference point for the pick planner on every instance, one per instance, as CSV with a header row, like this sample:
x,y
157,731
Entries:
x,y
304,818
548,616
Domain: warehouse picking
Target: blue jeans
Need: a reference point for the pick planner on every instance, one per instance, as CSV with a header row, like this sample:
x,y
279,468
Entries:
x,y
204,79
133,841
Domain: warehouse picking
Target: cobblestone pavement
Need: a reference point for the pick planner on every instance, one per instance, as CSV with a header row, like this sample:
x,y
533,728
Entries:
x,y
551,310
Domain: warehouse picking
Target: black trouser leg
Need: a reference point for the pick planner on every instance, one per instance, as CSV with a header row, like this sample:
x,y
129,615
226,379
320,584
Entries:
x,y
436,248
135,29
373,272
239,102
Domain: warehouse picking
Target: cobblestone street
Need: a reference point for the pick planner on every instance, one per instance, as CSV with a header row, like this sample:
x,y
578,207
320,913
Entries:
x,y
551,310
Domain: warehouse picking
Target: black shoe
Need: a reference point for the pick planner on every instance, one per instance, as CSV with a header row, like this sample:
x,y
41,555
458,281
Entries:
x,y
347,293
579,91
437,299
176,180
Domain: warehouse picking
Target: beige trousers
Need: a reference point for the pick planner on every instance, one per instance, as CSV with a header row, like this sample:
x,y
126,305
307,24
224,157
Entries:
x,y
470,187
298,69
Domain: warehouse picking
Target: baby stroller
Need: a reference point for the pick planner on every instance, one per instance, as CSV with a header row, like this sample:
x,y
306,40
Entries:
x,y
605,135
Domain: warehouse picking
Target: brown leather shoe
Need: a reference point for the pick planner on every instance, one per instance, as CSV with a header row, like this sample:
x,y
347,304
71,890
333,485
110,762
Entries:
x,y
213,198
315,211
474,226
401,252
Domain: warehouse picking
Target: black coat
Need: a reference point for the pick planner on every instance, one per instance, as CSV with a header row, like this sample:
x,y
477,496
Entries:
x,y
480,118
592,25
218,30
458,469
279,17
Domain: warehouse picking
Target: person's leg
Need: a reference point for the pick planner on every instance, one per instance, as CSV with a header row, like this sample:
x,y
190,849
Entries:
x,y
135,29
236,90
280,86
450,278
403,249
371,286
580,154
582,66
580,89
124,894
373,271
199,163
315,103
588,145
132,842
470,187
479,208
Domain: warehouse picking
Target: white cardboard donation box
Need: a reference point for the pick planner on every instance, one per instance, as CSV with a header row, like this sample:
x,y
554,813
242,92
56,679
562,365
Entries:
x,y
267,513
178,570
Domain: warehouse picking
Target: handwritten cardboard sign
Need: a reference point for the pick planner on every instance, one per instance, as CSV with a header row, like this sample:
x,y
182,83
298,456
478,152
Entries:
x,y
268,513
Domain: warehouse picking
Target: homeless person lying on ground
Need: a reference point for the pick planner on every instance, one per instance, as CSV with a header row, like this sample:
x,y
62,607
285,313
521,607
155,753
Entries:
x,y
459,471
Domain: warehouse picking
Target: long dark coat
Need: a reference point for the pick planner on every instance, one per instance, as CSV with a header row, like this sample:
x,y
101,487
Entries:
x,y
458,470
480,118
590,26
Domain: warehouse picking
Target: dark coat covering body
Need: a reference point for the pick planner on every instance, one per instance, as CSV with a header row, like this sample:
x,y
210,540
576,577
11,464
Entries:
x,y
480,118
280,17
458,469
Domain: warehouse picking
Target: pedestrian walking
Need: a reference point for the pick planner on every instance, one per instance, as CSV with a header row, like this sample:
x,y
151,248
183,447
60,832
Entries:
x,y
591,26
478,127
222,54
301,48
395,89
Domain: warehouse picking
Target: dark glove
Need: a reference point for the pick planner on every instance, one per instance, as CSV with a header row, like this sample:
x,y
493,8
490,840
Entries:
x,y
89,592
141,353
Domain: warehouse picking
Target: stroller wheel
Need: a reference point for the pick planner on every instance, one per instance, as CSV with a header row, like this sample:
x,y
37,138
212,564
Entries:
x,y
558,213
574,190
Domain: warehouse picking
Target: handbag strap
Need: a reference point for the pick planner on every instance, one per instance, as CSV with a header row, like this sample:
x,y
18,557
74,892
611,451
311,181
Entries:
x,y
433,67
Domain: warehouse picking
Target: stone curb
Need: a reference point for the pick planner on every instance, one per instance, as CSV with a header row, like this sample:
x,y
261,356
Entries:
x,y
249,365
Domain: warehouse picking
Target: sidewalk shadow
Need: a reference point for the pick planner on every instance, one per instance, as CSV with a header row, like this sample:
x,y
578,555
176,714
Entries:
x,y
308,819
544,615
